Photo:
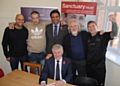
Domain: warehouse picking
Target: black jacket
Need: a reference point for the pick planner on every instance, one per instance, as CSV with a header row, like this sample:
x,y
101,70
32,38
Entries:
x,y
67,44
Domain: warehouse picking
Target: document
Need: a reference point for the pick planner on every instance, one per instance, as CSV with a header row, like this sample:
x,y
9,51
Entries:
x,y
52,84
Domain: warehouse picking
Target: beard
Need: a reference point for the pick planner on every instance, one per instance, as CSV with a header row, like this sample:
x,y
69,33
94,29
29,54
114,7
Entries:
x,y
74,32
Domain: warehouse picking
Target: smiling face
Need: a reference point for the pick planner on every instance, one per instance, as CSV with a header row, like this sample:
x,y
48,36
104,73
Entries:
x,y
19,20
57,53
73,28
92,28
35,18
55,18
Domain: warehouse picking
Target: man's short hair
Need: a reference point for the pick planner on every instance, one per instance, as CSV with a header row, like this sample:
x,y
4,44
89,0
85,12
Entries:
x,y
19,15
54,11
57,46
91,22
35,12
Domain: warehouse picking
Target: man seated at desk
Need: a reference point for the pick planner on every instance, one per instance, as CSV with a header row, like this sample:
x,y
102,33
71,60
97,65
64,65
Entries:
x,y
57,68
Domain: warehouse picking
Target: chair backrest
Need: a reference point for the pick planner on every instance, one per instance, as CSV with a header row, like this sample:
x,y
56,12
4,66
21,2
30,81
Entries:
x,y
86,81
1,73
33,67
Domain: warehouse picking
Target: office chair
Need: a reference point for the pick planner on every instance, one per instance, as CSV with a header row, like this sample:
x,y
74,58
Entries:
x,y
33,67
86,81
1,73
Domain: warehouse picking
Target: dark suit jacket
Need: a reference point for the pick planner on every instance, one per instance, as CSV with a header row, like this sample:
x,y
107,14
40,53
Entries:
x,y
67,44
48,70
63,31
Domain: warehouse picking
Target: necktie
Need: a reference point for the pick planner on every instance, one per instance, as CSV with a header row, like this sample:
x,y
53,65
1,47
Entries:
x,y
57,71
55,32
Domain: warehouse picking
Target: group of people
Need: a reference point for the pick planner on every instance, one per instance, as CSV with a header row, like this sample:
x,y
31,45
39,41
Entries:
x,y
65,54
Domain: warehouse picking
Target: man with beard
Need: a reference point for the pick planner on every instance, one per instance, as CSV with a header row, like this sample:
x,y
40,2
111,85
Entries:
x,y
75,48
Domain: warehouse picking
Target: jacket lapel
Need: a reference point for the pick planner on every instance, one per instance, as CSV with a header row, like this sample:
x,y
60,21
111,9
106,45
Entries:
x,y
52,67
51,31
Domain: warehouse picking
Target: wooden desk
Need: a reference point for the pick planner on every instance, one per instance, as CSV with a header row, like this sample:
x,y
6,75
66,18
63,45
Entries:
x,y
21,78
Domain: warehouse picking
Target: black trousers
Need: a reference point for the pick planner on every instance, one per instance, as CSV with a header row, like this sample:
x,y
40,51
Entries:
x,y
14,61
97,73
80,66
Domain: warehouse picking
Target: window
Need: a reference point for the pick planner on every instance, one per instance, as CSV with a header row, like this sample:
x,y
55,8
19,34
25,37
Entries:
x,y
101,2
112,2
105,8
101,18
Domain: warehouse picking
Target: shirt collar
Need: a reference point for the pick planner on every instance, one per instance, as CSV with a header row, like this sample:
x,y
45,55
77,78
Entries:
x,y
60,60
56,24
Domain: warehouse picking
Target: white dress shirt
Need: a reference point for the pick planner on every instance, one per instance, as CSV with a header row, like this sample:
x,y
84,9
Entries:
x,y
60,66
58,26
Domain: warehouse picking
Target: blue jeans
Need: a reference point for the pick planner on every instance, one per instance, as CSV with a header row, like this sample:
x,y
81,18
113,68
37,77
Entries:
x,y
37,57
14,61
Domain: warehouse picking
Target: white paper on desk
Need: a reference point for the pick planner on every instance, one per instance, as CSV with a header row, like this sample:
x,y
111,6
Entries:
x,y
52,84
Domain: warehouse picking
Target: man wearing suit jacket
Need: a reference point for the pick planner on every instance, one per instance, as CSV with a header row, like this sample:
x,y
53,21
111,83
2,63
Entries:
x,y
61,73
55,32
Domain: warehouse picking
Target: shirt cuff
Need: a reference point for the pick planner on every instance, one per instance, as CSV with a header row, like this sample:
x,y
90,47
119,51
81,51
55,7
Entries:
x,y
64,81
43,82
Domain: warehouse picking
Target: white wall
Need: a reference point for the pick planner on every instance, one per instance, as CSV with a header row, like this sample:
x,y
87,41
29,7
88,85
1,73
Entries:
x,y
113,73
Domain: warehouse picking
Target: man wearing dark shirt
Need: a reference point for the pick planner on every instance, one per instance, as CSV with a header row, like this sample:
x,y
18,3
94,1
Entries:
x,y
97,46
75,48
14,43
